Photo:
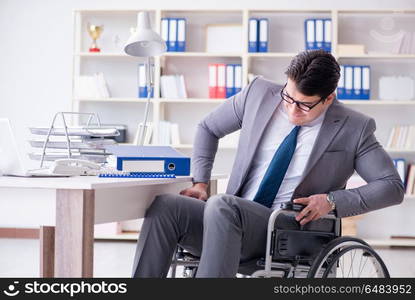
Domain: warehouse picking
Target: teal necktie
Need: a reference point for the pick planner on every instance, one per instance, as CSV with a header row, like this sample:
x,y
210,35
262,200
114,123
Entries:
x,y
275,173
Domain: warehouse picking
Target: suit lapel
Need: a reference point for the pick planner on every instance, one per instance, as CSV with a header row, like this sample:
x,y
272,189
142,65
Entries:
x,y
332,123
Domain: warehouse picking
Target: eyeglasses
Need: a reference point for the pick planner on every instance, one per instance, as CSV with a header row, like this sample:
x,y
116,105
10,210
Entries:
x,y
305,106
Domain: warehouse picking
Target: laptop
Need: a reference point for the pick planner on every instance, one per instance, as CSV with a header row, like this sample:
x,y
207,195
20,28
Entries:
x,y
10,161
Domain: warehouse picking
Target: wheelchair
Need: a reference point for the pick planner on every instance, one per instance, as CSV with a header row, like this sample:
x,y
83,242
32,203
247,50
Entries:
x,y
314,250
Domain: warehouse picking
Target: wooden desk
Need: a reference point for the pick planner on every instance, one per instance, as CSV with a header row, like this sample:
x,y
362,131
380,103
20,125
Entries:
x,y
67,220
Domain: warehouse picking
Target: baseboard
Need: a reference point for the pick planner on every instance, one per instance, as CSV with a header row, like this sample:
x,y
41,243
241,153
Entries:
x,y
19,233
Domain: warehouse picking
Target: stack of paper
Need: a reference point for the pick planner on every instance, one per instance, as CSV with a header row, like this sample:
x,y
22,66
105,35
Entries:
x,y
168,133
402,137
93,86
173,87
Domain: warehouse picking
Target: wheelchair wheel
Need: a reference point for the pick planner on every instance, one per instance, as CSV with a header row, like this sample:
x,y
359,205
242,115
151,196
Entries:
x,y
348,257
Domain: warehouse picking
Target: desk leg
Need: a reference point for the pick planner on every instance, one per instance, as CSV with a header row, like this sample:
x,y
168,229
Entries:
x,y
74,241
212,188
47,251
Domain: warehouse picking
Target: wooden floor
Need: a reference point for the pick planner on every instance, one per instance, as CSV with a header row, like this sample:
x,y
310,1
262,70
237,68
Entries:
x,y
20,258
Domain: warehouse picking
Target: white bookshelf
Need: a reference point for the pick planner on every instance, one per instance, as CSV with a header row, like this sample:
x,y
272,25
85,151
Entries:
x,y
286,40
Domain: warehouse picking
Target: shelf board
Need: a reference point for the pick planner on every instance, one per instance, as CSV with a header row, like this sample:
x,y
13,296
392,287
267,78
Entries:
x,y
391,242
219,101
192,100
272,54
378,102
102,54
379,55
202,54
109,100
392,150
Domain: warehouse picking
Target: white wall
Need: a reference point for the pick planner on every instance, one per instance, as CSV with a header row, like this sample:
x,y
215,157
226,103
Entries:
x,y
36,42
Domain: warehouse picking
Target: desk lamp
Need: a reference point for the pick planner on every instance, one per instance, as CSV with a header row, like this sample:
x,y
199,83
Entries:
x,y
145,42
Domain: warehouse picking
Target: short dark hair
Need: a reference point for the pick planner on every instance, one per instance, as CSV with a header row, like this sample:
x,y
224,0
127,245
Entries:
x,y
315,72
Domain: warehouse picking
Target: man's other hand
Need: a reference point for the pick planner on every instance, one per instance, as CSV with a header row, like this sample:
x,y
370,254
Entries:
x,y
316,207
198,191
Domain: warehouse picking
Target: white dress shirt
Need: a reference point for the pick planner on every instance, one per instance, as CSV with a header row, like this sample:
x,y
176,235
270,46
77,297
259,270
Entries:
x,y
277,129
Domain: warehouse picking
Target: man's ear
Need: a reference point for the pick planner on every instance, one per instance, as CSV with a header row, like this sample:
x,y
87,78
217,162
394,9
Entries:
x,y
330,98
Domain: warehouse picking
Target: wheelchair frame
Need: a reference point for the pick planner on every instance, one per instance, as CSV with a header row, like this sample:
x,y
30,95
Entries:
x,y
288,269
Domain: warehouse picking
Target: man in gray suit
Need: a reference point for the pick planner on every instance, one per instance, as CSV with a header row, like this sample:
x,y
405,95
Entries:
x,y
297,143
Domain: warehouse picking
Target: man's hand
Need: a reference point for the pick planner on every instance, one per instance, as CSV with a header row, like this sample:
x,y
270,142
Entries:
x,y
198,191
317,206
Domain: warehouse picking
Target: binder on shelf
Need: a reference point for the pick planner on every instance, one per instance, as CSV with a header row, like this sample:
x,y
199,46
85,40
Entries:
x,y
340,85
263,35
348,82
142,86
172,35
309,28
319,33
221,81
238,78
401,168
410,181
253,35
150,159
327,35
230,80
165,31
365,82
357,82
213,76
181,35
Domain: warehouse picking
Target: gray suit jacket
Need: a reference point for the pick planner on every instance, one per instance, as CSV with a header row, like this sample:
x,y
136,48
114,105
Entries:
x,y
345,143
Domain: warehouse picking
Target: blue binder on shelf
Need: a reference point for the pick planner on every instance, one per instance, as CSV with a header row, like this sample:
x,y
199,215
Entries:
x,y
181,35
310,35
263,35
142,87
348,82
142,82
253,35
357,83
150,160
400,165
230,80
327,35
165,31
172,35
238,78
340,85
365,82
319,33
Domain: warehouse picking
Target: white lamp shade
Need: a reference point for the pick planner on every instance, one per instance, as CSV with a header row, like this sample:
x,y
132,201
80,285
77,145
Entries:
x,y
145,42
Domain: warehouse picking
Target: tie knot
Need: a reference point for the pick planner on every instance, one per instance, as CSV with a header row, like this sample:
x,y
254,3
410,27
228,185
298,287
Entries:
x,y
295,130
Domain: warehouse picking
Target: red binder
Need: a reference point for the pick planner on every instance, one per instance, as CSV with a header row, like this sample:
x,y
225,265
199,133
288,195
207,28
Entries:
x,y
213,78
221,81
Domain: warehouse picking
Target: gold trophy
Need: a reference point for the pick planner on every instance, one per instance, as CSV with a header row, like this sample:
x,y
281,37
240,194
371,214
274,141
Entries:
x,y
94,32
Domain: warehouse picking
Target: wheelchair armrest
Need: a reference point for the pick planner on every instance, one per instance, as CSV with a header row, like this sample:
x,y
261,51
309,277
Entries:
x,y
292,206
297,207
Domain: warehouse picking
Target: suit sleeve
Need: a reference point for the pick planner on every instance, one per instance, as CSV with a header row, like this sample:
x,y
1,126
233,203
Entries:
x,y
384,186
226,119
